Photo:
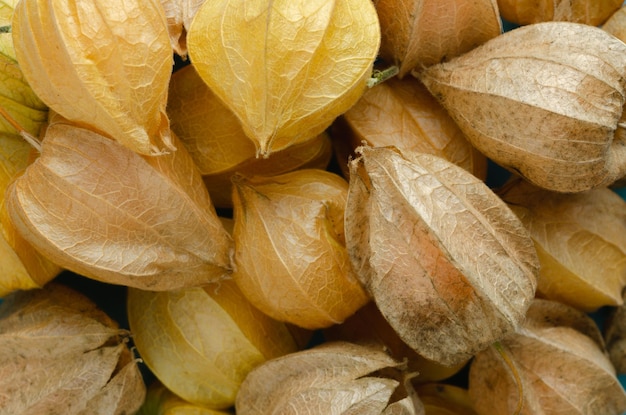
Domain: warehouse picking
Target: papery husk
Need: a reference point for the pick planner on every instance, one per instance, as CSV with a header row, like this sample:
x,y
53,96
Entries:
x,y
218,145
420,33
312,154
6,12
615,337
179,14
444,399
590,12
403,114
202,342
555,364
123,394
368,326
16,96
21,266
103,67
61,354
290,257
162,401
287,69
446,261
616,24
115,216
581,242
542,100
335,377
207,128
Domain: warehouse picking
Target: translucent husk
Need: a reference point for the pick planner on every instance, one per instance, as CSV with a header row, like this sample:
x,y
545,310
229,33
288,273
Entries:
x,y
175,334
287,69
403,114
119,217
539,369
581,242
420,33
290,257
103,67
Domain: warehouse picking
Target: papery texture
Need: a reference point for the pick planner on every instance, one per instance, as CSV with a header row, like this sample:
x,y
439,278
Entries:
x,y
103,211
162,401
63,355
403,114
555,364
218,145
581,243
448,264
209,130
542,100
16,96
420,33
591,12
445,399
286,68
368,326
6,11
615,337
179,14
315,153
290,257
105,66
202,342
21,266
616,24
331,378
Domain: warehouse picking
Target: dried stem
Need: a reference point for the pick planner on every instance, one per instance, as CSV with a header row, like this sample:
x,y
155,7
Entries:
x,y
29,138
380,76
518,380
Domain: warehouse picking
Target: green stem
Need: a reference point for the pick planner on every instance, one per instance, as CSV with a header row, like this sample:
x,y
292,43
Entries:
x,y
380,76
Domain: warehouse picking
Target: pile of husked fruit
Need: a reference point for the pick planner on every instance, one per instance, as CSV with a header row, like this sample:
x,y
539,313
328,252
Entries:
x,y
312,207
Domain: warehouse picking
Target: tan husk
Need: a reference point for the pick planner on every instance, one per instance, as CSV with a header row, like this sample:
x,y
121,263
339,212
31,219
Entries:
x,y
209,130
63,355
445,399
335,377
420,33
179,14
287,69
590,12
448,264
616,24
103,211
368,326
202,342
555,364
162,401
290,257
312,154
581,243
104,67
615,336
402,113
543,100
